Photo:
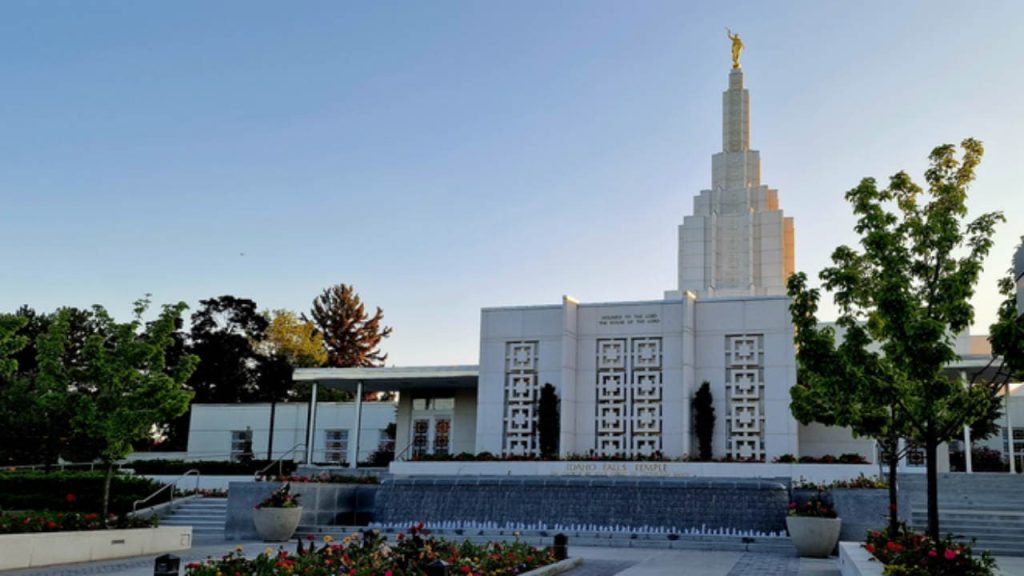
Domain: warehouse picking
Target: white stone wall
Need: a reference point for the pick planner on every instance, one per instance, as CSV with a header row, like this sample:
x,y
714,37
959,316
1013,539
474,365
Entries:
x,y
690,336
819,440
718,319
500,326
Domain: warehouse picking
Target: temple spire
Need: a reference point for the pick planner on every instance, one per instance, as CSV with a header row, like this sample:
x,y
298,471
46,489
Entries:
x,y
737,242
736,115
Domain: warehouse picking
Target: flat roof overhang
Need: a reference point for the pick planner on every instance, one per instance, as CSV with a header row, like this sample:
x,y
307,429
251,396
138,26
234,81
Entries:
x,y
393,379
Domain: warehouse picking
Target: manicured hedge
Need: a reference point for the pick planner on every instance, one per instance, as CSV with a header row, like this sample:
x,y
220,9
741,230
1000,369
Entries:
x,y
208,467
72,491
31,522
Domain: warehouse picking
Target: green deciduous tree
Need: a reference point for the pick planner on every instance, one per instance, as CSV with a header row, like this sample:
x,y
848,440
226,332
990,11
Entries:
x,y
294,338
909,285
117,386
31,431
10,343
704,420
848,385
1007,334
351,335
289,342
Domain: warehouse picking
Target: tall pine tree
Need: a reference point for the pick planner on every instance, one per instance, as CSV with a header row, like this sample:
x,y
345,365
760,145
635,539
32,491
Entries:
x,y
351,335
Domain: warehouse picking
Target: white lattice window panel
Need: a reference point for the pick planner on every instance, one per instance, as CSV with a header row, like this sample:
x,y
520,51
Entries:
x,y
645,396
611,387
335,445
629,395
744,385
521,393
522,356
612,395
611,354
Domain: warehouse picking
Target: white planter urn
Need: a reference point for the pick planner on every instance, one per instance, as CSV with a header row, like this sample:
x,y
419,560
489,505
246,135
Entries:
x,y
813,537
276,524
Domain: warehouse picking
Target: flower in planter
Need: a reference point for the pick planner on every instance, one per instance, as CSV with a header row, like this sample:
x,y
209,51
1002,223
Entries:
x,y
280,498
815,507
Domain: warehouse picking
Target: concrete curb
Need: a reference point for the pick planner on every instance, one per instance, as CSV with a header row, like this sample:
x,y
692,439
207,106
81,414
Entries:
x,y
854,560
556,568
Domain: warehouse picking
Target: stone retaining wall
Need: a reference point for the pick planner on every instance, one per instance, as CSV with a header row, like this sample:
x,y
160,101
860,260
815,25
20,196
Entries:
x,y
680,503
350,504
861,509
50,548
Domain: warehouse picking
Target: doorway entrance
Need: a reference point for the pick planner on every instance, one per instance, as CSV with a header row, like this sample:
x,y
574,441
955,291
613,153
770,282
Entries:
x,y
431,426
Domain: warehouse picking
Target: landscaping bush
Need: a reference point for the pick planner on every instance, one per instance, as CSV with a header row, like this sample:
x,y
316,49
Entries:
x,y
69,491
850,458
26,522
379,458
908,553
208,467
982,460
369,553
860,482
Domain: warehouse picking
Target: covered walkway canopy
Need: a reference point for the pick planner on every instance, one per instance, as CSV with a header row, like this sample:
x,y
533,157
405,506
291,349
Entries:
x,y
359,381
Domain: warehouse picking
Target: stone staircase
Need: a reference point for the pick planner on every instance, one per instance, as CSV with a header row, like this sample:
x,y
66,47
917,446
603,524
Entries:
x,y
985,506
206,516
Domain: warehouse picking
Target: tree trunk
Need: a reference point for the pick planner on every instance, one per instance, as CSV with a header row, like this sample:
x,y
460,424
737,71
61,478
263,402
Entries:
x,y
931,451
106,490
270,438
894,507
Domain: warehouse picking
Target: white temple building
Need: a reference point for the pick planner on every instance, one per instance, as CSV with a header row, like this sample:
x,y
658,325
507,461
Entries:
x,y
625,372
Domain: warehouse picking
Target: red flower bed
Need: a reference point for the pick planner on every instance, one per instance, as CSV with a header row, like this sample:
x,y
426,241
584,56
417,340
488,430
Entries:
x,y
27,522
909,553
370,554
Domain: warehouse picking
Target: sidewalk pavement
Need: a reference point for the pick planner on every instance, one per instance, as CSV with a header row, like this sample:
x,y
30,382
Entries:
x,y
596,562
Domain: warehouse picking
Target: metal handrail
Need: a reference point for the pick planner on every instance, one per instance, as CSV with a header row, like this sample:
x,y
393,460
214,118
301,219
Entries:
x,y
400,457
62,465
280,461
172,486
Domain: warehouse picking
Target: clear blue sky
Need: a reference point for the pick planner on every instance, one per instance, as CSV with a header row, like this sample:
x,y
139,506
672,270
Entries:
x,y
446,156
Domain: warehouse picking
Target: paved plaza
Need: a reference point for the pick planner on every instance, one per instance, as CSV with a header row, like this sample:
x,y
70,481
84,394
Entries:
x,y
596,562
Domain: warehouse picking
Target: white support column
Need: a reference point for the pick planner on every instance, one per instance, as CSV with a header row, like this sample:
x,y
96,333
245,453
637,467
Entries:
x,y
968,455
359,423
1009,432
311,425
968,449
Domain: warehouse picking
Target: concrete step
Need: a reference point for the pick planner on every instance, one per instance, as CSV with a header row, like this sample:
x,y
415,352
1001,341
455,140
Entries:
x,y
984,519
204,515
198,513
1007,501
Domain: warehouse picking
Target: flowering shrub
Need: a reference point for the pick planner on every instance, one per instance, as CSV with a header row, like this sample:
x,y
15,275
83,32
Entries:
x,y
39,490
325,478
368,553
860,482
983,459
849,458
25,522
908,553
202,493
815,507
280,498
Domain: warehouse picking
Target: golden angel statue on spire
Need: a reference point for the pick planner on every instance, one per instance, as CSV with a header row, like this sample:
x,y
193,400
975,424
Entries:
x,y
737,47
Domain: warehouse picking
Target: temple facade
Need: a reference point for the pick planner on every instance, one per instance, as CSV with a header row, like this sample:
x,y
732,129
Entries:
x,y
625,372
